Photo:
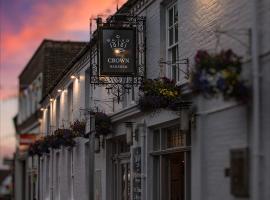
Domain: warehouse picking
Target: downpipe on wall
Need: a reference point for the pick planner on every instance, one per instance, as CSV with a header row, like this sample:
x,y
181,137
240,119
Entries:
x,y
255,139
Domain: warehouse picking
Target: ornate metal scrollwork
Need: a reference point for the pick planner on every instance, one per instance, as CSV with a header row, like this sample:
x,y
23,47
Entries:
x,y
119,85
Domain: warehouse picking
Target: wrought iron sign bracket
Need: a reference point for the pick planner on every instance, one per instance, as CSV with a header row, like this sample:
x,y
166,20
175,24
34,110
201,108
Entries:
x,y
178,63
120,38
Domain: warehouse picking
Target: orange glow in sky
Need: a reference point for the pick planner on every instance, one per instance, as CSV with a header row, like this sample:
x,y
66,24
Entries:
x,y
23,26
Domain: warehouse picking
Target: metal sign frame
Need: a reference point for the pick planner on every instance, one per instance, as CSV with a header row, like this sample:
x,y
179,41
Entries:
x,y
118,85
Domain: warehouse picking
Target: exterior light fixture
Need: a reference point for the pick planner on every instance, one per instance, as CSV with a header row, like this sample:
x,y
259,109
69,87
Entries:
x,y
59,90
42,109
129,132
51,99
73,77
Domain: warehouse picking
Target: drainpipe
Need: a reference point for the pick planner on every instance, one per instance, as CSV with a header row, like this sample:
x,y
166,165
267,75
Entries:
x,y
91,152
255,139
142,132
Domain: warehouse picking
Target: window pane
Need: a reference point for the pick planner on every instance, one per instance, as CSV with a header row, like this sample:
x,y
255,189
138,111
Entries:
x,y
174,54
175,14
175,138
170,17
176,32
171,36
156,178
156,140
174,68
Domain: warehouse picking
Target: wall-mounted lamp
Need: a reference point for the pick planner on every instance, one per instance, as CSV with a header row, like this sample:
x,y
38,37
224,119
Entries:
x,y
59,90
129,132
42,109
51,99
74,77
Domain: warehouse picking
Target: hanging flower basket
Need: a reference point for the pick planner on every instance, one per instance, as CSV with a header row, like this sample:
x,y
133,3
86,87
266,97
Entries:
x,y
39,147
103,125
61,137
219,74
158,93
78,128
64,137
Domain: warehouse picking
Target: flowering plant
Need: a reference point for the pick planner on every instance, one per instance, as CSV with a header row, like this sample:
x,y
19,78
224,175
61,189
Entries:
x,y
102,123
64,137
158,93
78,127
61,137
219,73
39,147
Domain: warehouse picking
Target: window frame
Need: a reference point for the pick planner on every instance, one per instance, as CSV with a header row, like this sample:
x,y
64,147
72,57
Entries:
x,y
171,67
159,156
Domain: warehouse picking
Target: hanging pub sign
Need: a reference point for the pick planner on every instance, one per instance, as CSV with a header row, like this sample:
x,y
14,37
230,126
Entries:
x,y
117,51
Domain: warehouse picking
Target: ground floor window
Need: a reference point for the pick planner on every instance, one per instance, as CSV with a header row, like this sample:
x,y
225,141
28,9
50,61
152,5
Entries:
x,y
171,164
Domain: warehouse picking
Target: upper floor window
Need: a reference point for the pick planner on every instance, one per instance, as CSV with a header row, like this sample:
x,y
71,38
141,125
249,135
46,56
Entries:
x,y
172,42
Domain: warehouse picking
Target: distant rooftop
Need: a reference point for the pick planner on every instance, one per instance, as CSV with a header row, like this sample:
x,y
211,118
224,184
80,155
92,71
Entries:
x,y
51,58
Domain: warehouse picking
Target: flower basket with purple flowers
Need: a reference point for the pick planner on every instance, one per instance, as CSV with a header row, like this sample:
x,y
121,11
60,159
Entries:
x,y
219,74
158,93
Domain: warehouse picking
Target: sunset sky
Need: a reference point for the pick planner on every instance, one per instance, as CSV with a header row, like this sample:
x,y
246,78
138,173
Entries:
x,y
25,23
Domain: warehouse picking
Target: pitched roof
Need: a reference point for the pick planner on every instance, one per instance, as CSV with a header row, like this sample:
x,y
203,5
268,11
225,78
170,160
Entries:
x,y
3,174
50,58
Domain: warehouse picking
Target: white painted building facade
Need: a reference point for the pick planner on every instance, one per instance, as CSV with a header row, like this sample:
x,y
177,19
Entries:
x,y
202,160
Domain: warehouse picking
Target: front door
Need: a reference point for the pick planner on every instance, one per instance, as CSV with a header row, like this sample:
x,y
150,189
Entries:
x,y
176,178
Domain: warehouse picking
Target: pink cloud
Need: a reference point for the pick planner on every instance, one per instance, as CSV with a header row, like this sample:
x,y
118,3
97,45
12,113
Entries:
x,y
62,20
